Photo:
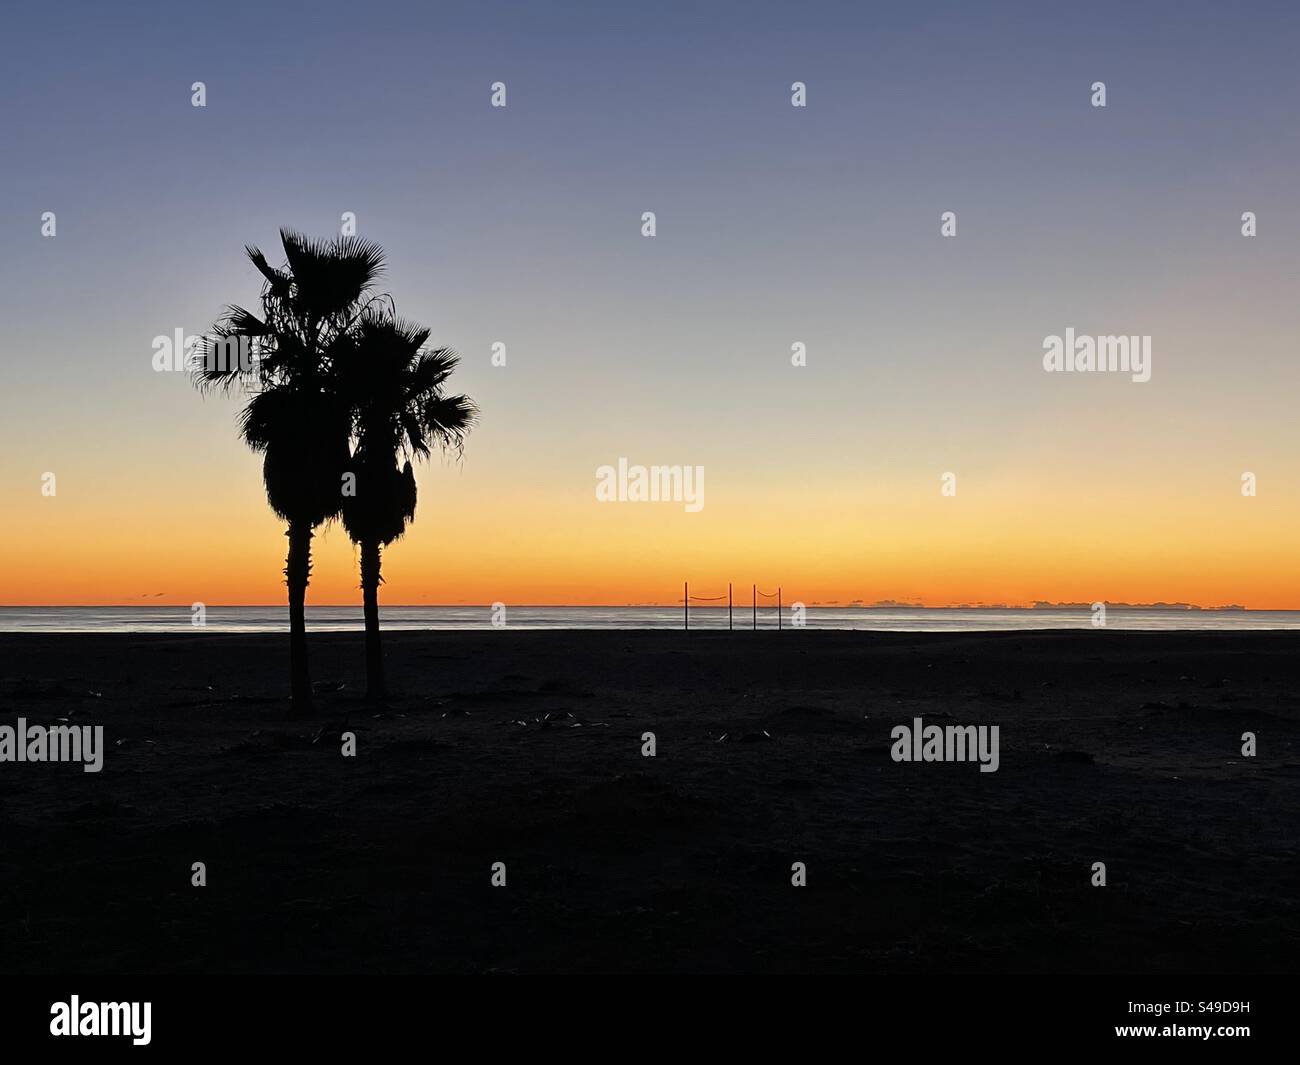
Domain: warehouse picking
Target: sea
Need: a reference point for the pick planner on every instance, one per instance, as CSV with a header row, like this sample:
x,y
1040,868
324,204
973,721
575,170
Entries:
x,y
249,619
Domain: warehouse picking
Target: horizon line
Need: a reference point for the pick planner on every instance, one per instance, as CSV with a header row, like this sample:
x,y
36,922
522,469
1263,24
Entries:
x,y
881,605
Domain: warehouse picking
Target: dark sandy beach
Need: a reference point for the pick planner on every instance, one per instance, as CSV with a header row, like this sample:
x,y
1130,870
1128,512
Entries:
x,y
525,748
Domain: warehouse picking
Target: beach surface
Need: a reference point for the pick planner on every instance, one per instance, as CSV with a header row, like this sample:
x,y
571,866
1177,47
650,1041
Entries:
x,y
525,748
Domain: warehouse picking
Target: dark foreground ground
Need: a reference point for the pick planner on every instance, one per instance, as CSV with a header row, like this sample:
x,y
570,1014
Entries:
x,y
525,748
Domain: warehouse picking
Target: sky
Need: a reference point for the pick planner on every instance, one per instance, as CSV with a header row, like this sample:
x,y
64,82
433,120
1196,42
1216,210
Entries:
x,y
775,225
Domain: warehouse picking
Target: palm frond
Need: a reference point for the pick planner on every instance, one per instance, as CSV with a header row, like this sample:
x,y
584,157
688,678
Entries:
x,y
448,420
277,280
330,276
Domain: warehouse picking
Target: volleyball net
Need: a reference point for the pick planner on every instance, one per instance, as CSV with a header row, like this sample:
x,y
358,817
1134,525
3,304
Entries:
x,y
773,603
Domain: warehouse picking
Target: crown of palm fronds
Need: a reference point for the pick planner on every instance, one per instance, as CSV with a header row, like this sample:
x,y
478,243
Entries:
x,y
296,417
308,309
394,384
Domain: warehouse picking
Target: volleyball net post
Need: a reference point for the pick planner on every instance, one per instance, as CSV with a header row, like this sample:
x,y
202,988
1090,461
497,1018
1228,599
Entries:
x,y
686,603
769,595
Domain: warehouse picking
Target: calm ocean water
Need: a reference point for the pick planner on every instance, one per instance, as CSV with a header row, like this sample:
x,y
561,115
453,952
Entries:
x,y
346,619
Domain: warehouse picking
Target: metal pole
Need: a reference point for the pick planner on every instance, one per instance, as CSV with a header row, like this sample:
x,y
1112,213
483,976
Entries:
x,y
728,606
756,608
686,600
778,608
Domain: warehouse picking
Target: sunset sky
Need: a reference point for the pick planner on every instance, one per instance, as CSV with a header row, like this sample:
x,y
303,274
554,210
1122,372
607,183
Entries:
x,y
776,225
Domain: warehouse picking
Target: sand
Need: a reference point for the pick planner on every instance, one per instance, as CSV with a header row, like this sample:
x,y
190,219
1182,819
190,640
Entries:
x,y
525,748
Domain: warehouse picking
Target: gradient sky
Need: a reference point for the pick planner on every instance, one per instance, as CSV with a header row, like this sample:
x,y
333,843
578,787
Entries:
x,y
775,225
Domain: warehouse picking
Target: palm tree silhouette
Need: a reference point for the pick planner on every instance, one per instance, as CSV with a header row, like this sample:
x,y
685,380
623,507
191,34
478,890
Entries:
x,y
395,387
297,418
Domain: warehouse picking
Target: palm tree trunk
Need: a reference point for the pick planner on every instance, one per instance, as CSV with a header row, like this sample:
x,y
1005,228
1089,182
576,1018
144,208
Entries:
x,y
370,563
297,573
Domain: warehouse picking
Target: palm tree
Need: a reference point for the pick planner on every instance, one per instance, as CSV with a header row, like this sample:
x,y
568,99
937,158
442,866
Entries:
x,y
296,417
395,385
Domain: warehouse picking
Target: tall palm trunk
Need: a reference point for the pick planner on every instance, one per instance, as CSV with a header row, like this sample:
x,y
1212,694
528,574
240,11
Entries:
x,y
370,579
297,573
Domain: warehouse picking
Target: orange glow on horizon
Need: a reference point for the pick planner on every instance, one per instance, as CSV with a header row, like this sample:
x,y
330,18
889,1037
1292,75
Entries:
x,y
470,547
